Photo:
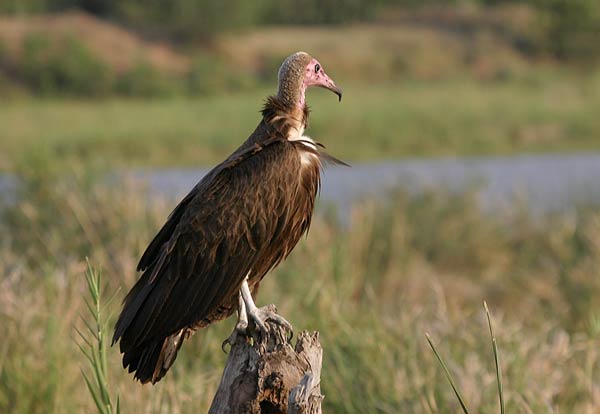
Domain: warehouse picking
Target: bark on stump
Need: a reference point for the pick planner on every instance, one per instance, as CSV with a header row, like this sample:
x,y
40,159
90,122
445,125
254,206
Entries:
x,y
267,375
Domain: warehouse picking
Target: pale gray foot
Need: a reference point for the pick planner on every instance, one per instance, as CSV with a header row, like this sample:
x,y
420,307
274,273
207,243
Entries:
x,y
241,326
260,316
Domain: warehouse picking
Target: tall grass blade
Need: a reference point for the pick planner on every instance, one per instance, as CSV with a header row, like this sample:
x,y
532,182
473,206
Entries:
x,y
83,338
94,345
496,358
448,375
94,394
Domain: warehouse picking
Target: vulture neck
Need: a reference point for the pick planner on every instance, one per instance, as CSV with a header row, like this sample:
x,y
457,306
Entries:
x,y
292,89
289,120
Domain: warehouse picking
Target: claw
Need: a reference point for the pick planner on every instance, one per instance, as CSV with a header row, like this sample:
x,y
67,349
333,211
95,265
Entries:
x,y
240,330
241,326
260,316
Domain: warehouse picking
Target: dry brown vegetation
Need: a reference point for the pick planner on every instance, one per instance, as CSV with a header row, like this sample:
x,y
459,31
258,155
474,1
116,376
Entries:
x,y
120,48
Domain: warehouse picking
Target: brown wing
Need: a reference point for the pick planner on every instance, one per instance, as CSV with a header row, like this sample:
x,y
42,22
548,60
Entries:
x,y
209,244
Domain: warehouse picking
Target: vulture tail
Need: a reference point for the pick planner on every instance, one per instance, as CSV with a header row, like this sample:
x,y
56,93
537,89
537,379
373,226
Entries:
x,y
151,361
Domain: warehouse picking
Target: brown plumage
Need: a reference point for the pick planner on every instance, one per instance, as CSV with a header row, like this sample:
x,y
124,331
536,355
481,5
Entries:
x,y
242,219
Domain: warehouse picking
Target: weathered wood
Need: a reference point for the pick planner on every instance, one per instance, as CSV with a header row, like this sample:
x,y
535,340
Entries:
x,y
266,375
306,397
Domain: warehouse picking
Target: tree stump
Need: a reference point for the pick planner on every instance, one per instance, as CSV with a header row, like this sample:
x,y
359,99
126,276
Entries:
x,y
265,375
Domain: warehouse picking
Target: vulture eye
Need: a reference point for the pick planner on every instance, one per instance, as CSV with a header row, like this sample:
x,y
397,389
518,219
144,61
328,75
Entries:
x,y
317,68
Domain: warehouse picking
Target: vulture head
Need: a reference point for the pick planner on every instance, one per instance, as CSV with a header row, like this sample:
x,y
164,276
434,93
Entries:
x,y
297,73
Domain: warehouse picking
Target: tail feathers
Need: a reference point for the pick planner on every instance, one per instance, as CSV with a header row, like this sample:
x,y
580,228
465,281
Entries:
x,y
151,361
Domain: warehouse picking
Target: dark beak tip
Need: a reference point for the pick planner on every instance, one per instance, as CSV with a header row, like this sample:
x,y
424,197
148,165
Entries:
x,y
333,88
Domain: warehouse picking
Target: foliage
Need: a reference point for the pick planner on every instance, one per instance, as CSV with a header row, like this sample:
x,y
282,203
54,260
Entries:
x,y
569,29
202,19
184,19
145,81
318,11
209,75
63,67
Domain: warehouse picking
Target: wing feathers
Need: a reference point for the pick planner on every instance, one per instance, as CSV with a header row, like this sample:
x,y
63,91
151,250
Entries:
x,y
243,218
164,234
217,233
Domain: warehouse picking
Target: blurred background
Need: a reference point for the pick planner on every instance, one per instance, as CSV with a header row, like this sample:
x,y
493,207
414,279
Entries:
x,y
473,130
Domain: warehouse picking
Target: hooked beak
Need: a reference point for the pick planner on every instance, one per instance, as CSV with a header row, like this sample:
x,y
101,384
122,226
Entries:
x,y
337,91
329,84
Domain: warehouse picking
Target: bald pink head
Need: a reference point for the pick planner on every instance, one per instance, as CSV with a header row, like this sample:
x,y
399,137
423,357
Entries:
x,y
315,76
299,72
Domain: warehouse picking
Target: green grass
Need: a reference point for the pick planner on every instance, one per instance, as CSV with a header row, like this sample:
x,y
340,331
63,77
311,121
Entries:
x,y
541,112
94,340
372,289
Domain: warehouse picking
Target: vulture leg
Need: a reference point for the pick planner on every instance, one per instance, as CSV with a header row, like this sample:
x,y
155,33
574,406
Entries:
x,y
241,326
261,315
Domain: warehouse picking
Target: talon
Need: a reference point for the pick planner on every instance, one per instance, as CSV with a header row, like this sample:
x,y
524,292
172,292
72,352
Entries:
x,y
225,342
241,328
259,322
229,341
261,315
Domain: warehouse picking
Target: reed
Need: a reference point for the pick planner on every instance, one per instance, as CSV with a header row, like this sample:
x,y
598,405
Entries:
x,y
449,377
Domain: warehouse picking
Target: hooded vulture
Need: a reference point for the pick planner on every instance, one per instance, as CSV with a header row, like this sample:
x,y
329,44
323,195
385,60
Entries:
x,y
239,222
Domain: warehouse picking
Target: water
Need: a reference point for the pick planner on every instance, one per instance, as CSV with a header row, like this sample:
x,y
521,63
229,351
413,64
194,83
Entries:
x,y
545,183
8,188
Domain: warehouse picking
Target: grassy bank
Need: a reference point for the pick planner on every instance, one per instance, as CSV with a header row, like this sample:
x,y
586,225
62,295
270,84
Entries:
x,y
372,289
553,111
